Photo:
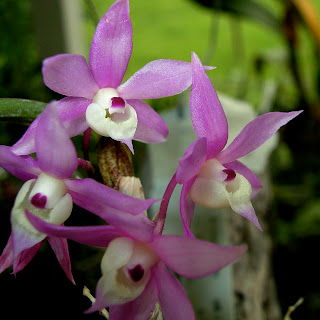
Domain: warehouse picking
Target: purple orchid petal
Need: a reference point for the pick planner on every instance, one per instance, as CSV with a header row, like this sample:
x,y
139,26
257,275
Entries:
x,y
69,74
194,258
56,153
137,226
207,114
98,236
173,298
71,113
157,79
151,127
18,166
25,257
247,173
186,208
138,309
91,189
61,250
111,46
192,161
254,134
26,144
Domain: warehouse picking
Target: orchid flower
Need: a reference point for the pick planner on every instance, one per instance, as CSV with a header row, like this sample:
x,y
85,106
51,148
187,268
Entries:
x,y
49,193
135,273
97,99
212,176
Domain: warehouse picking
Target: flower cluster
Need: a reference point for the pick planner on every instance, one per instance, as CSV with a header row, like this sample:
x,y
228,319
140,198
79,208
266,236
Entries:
x,y
136,263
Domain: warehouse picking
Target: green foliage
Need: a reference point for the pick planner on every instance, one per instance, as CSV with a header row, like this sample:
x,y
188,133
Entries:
x,y
247,8
20,111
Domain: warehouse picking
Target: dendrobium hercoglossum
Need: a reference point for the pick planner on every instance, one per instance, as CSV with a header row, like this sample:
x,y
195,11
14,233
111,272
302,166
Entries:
x,y
134,269
97,99
49,193
211,175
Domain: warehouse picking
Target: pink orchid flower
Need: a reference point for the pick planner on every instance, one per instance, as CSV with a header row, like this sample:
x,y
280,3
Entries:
x,y
212,176
49,193
97,99
134,272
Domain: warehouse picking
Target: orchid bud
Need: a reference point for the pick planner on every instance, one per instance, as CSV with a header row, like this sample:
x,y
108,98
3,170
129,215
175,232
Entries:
x,y
114,160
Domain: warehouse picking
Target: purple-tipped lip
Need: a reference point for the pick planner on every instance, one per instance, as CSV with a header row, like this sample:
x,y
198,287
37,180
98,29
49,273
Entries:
x,y
117,102
136,273
39,201
231,175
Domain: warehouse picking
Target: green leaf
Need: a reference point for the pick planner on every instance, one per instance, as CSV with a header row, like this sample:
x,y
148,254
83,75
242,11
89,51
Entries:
x,y
21,111
248,8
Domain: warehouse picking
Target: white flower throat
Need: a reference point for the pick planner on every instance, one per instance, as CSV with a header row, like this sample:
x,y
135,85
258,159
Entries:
x,y
111,116
217,187
125,270
45,197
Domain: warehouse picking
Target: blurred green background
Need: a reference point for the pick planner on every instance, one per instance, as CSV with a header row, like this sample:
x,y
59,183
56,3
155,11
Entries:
x,y
266,53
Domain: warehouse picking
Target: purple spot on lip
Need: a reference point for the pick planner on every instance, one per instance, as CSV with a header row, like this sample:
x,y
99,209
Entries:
x,y
136,273
117,102
231,174
39,201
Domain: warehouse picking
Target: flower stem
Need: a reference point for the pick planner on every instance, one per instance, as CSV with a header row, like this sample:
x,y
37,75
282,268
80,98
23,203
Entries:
x,y
161,217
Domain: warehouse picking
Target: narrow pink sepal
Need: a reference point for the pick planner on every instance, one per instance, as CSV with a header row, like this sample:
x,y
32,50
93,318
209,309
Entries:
x,y
22,240
18,166
6,258
69,74
247,173
151,127
249,213
140,308
173,298
194,258
128,143
207,114
100,302
111,46
25,257
61,250
56,153
98,236
192,161
254,134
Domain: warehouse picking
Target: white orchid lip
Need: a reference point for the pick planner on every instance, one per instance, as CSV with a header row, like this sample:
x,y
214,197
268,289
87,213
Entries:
x,y
217,187
125,270
44,197
47,191
111,116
